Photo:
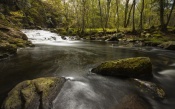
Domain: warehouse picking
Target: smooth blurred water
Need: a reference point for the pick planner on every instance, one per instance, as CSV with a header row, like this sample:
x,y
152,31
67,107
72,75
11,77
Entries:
x,y
74,60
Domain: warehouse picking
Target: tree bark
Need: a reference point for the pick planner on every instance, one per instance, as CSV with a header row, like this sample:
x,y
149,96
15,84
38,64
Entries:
x,y
169,17
162,23
101,16
129,15
117,13
83,16
108,11
126,13
141,15
133,16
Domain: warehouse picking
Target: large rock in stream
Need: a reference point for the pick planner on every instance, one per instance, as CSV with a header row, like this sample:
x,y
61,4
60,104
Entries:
x,y
130,67
34,94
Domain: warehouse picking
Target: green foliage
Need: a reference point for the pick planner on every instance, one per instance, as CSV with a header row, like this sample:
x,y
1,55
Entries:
x,y
84,15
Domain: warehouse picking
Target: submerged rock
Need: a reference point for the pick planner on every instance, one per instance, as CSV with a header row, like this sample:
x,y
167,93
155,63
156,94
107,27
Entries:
x,y
149,88
170,45
130,67
132,102
34,94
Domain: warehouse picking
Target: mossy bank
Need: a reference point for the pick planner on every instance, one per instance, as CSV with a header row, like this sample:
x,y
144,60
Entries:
x,y
10,40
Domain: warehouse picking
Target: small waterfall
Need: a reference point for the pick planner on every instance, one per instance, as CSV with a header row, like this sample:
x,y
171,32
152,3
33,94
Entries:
x,y
42,36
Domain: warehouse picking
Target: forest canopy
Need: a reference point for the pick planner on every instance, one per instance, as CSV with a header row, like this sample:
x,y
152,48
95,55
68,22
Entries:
x,y
90,14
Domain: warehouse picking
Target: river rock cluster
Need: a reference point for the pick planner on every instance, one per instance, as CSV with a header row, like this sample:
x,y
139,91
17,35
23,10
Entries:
x,y
138,70
40,93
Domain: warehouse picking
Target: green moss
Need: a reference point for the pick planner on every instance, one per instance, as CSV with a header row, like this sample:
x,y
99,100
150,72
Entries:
x,y
2,16
126,63
20,44
160,92
149,88
6,47
13,101
157,35
44,85
61,31
28,94
156,41
17,14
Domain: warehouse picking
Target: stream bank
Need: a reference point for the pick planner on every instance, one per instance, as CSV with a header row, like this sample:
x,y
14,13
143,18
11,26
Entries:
x,y
10,40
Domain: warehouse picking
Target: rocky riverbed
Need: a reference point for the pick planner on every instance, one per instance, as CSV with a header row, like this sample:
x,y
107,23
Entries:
x,y
40,93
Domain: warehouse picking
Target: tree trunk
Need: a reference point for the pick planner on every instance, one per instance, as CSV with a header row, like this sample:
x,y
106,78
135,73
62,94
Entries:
x,y
129,15
108,11
162,23
83,17
117,13
141,15
126,13
101,16
133,16
169,17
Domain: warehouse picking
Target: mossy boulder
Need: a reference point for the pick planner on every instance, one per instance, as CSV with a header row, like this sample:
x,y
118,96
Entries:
x,y
34,94
130,67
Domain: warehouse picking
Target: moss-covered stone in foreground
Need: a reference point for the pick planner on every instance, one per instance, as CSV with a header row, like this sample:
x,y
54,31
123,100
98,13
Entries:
x,y
34,94
130,67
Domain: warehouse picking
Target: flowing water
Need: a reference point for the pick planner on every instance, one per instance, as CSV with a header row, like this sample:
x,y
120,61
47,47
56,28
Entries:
x,y
54,56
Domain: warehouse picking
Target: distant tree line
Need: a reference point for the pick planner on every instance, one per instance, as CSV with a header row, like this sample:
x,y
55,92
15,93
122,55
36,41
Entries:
x,y
119,14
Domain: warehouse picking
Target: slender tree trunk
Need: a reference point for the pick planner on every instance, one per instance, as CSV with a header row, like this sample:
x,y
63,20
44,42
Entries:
x,y
101,16
76,6
162,23
129,16
126,13
169,17
93,14
108,11
117,13
83,16
133,16
141,15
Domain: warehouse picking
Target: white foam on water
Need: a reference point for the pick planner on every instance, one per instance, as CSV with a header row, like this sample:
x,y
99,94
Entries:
x,y
47,37
41,35
77,95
